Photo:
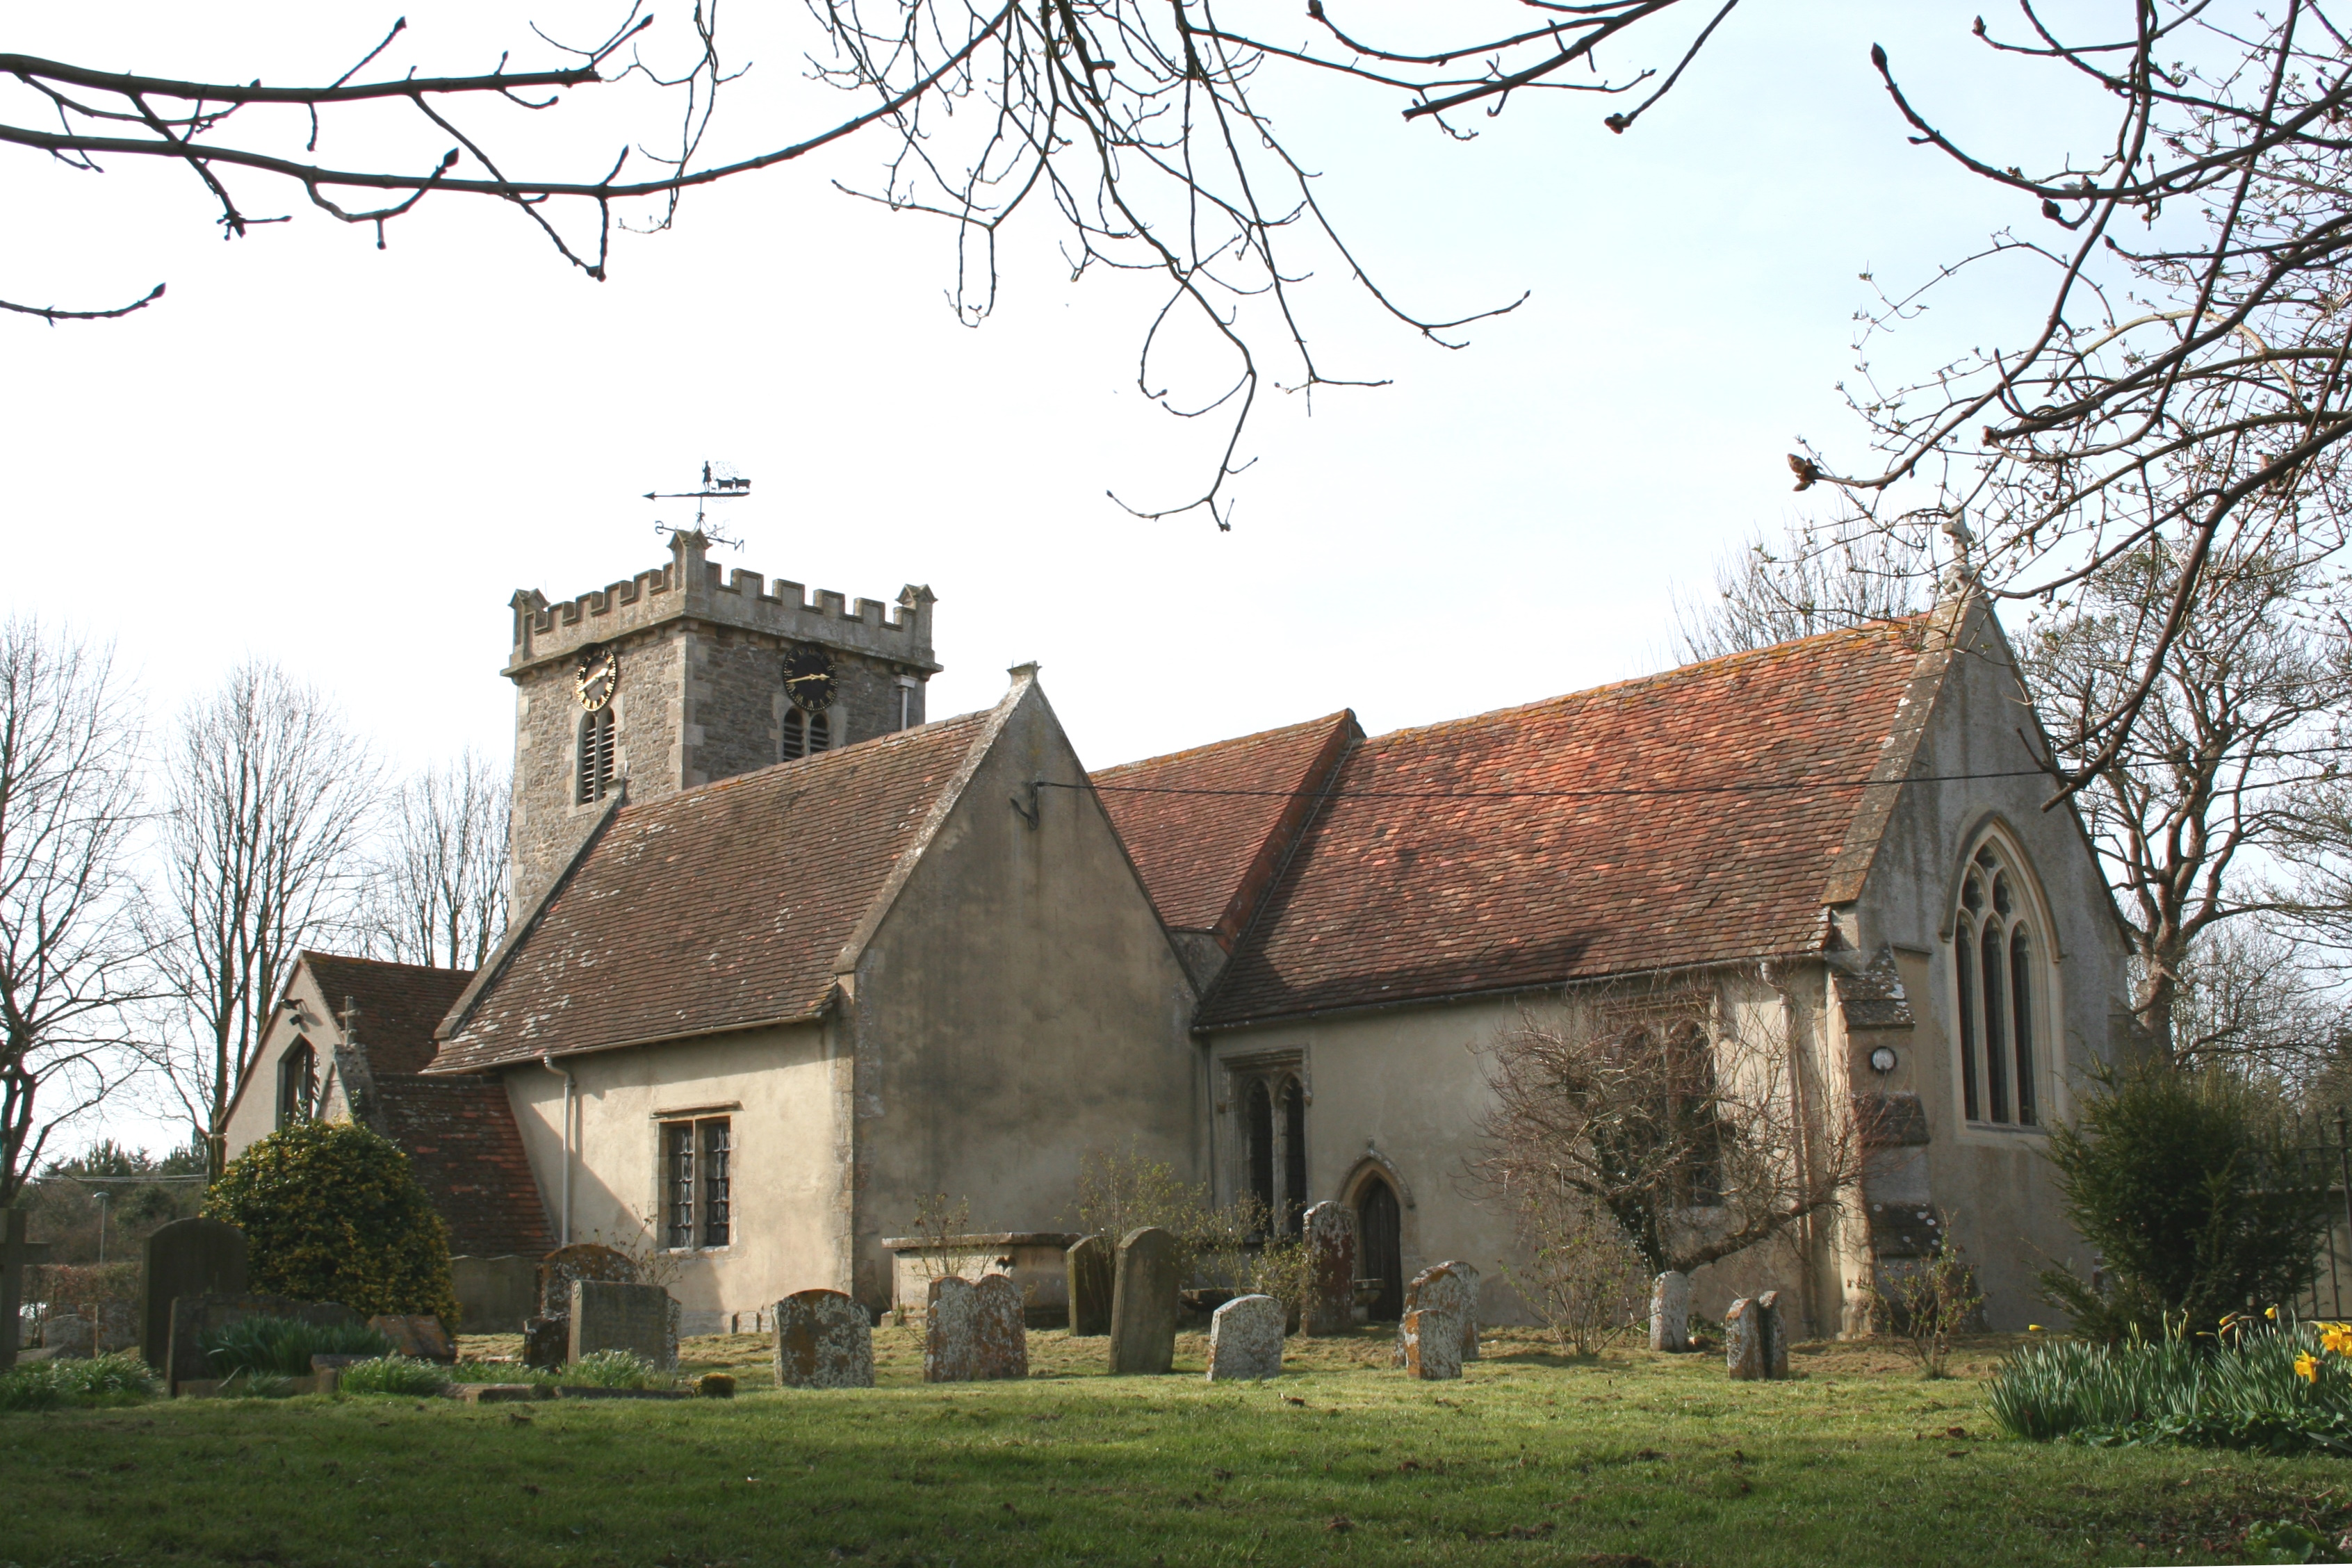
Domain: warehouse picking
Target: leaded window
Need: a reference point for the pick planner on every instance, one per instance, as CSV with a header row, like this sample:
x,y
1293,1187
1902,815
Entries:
x,y
1998,975
697,1184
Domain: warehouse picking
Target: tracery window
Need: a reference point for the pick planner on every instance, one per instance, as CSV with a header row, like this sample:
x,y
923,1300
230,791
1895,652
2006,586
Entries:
x,y
1997,970
298,1084
596,757
805,734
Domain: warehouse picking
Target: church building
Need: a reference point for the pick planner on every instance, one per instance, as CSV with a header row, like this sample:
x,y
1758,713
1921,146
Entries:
x,y
789,957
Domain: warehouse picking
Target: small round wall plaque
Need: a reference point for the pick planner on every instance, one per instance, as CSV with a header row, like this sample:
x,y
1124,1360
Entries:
x,y
1882,1060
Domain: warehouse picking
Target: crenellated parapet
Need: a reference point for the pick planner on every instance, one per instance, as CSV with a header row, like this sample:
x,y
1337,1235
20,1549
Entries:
x,y
691,588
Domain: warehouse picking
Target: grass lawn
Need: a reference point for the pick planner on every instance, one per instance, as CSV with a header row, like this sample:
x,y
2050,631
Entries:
x,y
1529,1458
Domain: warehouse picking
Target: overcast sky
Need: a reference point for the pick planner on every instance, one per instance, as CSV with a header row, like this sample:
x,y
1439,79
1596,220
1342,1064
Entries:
x,y
347,458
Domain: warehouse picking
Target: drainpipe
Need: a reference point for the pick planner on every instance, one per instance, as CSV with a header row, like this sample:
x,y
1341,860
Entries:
x,y
565,1074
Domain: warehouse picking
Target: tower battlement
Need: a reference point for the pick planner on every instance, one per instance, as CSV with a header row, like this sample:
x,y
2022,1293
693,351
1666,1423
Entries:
x,y
691,588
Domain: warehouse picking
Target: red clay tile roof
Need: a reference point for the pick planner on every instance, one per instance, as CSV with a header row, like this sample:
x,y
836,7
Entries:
x,y
400,1005
1207,858
720,907
1401,888
461,1139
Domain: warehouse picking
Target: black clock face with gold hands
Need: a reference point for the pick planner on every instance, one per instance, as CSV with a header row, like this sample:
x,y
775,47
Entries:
x,y
809,679
598,673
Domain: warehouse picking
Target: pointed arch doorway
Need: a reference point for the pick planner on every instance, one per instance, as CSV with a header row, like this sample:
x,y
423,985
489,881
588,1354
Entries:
x,y
1381,1246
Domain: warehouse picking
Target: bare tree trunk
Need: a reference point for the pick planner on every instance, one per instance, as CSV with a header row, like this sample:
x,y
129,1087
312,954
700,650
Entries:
x,y
71,952
437,894
270,797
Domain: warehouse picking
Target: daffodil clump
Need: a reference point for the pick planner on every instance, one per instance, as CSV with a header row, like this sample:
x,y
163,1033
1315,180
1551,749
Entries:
x,y
2260,1381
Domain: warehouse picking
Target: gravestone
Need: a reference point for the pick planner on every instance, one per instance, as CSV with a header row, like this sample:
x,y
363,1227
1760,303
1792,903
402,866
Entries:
x,y
16,1254
186,1257
69,1336
117,1325
1776,1335
950,1330
194,1318
612,1315
546,1342
1432,1344
1330,1235
580,1260
1450,1286
1670,1299
419,1338
824,1340
1143,1304
495,1295
1748,1340
1092,1266
1245,1340
1000,1329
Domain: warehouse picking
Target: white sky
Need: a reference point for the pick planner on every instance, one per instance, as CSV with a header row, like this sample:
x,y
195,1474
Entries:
x,y
347,459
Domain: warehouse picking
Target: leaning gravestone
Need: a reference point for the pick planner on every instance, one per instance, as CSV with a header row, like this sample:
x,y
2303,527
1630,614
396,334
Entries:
x,y
824,1340
1143,1304
1450,1286
1776,1335
1747,1340
186,1257
419,1337
1092,1267
1432,1344
1330,1234
1245,1340
1670,1299
195,1317
608,1315
974,1332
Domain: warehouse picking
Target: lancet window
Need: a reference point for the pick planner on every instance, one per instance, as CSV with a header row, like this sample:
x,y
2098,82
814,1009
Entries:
x,y
597,756
298,1084
1998,970
1274,1144
805,734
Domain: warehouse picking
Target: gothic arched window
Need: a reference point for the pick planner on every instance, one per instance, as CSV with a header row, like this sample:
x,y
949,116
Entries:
x,y
596,757
298,1084
2004,1040
805,734
1272,1171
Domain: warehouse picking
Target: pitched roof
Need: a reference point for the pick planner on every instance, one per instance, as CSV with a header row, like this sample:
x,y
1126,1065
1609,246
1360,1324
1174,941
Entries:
x,y
1208,829
723,907
399,1004
462,1141
1466,858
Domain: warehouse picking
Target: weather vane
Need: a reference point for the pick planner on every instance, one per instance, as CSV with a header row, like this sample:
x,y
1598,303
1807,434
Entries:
x,y
720,482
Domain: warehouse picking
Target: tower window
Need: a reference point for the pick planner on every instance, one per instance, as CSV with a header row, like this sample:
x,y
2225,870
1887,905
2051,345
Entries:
x,y
805,734
595,756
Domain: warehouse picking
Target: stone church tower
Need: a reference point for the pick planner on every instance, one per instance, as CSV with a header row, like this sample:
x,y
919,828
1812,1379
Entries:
x,y
673,679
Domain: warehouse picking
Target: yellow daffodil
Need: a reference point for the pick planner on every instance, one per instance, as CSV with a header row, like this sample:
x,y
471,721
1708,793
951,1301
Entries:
x,y
2033,1328
2306,1367
2271,1312
2336,1340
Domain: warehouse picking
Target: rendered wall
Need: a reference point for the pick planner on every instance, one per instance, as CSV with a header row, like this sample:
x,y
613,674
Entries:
x,y
778,1088
253,1114
1018,1006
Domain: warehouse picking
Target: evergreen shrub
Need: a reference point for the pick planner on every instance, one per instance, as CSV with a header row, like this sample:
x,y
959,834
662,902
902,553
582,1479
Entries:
x,y
331,1212
2188,1185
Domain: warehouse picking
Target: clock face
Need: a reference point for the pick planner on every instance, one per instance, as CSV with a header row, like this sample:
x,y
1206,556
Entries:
x,y
598,673
809,679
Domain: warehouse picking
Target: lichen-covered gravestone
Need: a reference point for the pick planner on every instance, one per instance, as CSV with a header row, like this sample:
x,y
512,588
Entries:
x,y
1330,1235
1245,1340
1433,1343
1748,1330
1144,1303
186,1257
823,1341
1450,1286
1000,1329
608,1315
1776,1335
1092,1267
1670,1299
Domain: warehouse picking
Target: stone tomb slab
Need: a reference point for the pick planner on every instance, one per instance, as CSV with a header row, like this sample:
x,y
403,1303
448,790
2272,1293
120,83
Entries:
x,y
824,1340
196,1317
1144,1304
1092,1264
609,1315
1245,1340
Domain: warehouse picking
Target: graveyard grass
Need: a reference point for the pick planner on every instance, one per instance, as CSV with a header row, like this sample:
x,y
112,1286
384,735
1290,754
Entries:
x,y
1530,1457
